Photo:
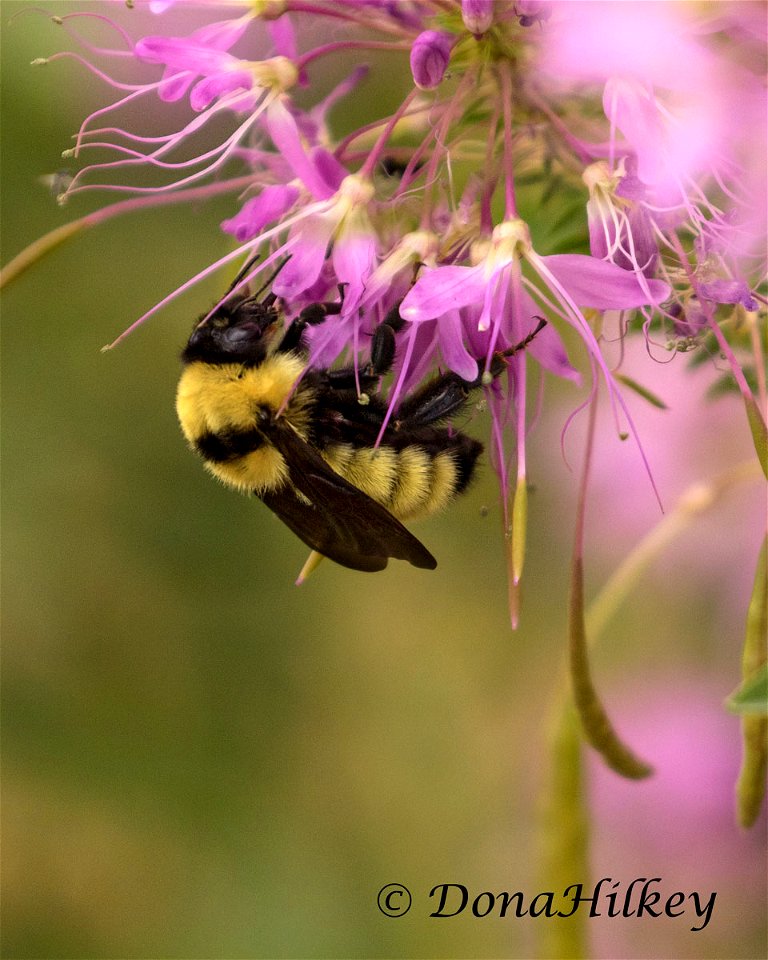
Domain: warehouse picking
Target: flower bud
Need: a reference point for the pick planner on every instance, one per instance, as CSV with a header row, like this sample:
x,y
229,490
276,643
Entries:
x,y
728,291
533,11
430,54
477,15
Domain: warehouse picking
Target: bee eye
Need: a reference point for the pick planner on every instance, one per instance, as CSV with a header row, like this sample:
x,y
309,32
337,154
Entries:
x,y
242,332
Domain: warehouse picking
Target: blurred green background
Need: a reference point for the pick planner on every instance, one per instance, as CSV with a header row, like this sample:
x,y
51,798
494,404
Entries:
x,y
200,759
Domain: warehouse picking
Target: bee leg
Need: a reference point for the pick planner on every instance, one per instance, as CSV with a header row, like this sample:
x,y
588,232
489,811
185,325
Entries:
x,y
311,316
438,399
384,342
511,351
317,313
447,394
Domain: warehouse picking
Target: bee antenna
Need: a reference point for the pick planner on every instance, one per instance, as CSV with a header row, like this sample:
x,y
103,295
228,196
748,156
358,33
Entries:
x,y
243,270
269,280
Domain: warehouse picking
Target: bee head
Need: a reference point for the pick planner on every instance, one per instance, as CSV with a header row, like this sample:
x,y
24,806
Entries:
x,y
239,331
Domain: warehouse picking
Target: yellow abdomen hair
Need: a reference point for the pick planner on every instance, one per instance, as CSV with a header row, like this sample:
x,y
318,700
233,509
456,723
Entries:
x,y
409,482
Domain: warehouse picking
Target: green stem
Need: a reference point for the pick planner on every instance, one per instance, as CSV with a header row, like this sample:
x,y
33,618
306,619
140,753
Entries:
x,y
37,250
693,503
564,836
750,787
43,245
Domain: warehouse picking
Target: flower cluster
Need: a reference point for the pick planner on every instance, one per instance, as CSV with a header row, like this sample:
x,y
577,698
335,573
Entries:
x,y
558,159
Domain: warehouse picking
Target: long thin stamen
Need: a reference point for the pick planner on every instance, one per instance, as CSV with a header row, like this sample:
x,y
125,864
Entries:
x,y
510,203
441,131
378,148
222,153
349,45
102,51
92,68
104,110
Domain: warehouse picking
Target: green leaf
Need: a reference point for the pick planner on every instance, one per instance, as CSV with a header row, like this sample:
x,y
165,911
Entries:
x,y
642,391
752,695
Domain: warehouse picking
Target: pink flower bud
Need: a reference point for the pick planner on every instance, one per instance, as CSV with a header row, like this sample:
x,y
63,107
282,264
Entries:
x,y
477,15
430,54
533,11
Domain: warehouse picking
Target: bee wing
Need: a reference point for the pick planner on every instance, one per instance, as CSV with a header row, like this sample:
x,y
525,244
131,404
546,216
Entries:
x,y
340,521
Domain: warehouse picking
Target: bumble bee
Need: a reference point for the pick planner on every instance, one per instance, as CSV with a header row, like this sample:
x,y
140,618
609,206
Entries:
x,y
304,440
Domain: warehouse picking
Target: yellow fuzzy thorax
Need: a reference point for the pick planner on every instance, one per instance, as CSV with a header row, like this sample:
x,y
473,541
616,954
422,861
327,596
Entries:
x,y
216,398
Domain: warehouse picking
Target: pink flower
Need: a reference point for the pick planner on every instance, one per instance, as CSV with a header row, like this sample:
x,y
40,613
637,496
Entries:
x,y
680,108
202,54
495,282
342,219
620,225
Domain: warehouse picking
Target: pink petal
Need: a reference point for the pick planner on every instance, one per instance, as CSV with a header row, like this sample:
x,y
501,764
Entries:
x,y
729,291
328,167
594,283
283,36
442,289
450,333
548,348
354,260
182,54
285,136
256,213
632,108
308,249
175,86
223,34
207,90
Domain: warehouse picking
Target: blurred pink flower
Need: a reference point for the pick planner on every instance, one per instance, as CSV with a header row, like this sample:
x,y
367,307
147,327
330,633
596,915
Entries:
x,y
683,109
679,824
